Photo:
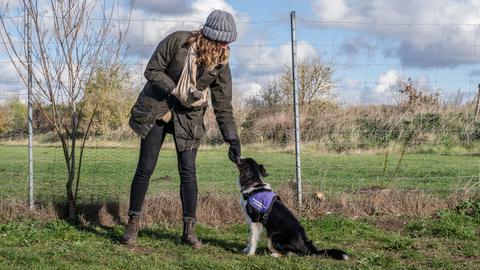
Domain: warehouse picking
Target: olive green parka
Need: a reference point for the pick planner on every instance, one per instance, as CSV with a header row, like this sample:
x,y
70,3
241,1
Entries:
x,y
162,73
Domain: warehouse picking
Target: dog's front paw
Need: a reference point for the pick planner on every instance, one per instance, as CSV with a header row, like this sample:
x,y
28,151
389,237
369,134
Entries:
x,y
248,251
276,255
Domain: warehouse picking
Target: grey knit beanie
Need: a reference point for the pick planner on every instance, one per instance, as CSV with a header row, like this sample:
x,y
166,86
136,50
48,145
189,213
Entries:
x,y
220,26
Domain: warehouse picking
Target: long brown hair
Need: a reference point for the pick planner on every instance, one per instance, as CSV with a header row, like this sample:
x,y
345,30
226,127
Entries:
x,y
209,52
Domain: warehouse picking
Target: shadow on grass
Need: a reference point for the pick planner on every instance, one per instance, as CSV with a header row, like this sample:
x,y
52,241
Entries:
x,y
175,237
461,154
94,213
100,219
227,245
96,218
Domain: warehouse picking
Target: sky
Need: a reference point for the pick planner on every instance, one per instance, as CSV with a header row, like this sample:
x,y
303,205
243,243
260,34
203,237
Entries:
x,y
371,44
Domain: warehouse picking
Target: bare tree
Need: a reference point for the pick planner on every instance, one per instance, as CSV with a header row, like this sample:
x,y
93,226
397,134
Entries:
x,y
315,81
71,39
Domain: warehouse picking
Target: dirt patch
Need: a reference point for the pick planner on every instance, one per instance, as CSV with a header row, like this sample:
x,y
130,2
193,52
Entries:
x,y
391,223
166,178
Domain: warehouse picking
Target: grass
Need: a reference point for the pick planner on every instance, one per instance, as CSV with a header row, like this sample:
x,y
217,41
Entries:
x,y
449,240
421,244
107,172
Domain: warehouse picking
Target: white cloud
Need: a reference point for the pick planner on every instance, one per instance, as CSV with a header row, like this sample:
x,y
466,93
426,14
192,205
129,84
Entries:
x,y
386,80
245,89
431,33
333,10
163,6
10,82
388,84
264,64
150,25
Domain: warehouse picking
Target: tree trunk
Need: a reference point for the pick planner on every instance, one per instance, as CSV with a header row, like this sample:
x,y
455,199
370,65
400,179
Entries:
x,y
71,203
69,187
72,213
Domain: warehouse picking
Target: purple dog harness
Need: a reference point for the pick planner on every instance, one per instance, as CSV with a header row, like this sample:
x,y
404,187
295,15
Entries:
x,y
259,204
262,201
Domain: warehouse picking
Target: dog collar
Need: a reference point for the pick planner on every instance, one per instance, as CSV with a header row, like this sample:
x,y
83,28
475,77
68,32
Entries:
x,y
246,191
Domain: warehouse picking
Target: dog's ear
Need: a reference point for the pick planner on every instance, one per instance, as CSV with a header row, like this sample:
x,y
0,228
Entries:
x,y
262,171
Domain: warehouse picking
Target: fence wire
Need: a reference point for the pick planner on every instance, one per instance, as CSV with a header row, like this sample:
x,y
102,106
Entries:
x,y
352,145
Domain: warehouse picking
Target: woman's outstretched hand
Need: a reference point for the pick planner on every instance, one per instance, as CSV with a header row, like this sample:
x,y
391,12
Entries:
x,y
234,151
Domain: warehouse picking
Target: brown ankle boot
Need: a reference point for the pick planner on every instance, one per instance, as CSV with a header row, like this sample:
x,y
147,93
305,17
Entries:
x,y
130,236
189,237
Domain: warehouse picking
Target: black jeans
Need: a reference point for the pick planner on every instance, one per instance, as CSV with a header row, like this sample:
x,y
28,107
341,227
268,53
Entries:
x,y
149,152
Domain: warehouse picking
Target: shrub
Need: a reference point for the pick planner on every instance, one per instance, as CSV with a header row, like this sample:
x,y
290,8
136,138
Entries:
x,y
267,125
13,117
475,134
3,120
375,132
427,121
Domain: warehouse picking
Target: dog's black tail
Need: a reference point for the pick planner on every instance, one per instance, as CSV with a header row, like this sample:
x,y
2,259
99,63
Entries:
x,y
327,253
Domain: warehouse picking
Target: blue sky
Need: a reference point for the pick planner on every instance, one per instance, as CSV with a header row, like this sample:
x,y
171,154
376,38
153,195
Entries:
x,y
372,44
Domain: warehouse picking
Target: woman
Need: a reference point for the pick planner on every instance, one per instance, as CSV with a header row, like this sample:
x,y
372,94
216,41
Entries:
x,y
158,111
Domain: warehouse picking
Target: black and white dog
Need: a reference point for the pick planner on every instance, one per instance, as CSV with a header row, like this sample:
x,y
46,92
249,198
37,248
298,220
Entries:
x,y
263,208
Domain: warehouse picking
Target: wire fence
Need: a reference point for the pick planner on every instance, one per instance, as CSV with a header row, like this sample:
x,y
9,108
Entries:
x,y
347,148
107,172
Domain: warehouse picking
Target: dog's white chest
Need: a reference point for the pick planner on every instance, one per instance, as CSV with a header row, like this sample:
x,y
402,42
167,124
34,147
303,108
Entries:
x,y
243,206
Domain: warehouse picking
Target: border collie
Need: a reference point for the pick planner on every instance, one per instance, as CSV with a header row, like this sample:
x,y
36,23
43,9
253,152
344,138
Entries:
x,y
263,208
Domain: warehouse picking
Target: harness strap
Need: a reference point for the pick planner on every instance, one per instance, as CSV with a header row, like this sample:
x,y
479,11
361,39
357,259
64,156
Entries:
x,y
248,195
264,217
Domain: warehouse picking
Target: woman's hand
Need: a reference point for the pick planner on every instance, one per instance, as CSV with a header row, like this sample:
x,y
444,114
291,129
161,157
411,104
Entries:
x,y
234,151
195,93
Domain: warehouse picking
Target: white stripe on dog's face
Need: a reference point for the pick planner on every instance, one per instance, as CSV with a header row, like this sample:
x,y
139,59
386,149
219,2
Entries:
x,y
250,173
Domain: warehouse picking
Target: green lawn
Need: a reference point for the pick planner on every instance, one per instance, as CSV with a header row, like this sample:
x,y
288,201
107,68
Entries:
x,y
107,172
450,241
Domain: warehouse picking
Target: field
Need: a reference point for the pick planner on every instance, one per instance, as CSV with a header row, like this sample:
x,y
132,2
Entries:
x,y
107,172
447,239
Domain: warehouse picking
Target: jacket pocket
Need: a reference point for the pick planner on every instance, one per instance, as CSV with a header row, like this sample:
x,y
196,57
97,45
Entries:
x,y
141,111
